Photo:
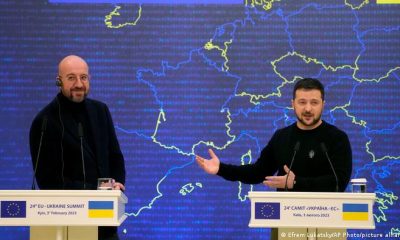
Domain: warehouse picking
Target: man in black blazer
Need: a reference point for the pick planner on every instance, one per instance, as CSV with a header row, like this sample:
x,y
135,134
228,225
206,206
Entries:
x,y
66,122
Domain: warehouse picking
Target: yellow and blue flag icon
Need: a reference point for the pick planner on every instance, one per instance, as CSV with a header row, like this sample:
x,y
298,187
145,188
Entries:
x,y
101,209
355,211
267,210
13,209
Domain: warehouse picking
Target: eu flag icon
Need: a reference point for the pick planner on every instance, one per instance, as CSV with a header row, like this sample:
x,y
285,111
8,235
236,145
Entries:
x,y
13,209
267,210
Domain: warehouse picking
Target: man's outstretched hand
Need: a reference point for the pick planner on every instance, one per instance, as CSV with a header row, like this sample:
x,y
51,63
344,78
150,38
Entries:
x,y
210,166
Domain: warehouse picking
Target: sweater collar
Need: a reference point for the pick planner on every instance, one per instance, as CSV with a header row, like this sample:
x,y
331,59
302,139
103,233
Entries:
x,y
311,131
70,105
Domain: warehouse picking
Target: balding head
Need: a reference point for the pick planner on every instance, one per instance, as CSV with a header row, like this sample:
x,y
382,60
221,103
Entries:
x,y
71,61
73,72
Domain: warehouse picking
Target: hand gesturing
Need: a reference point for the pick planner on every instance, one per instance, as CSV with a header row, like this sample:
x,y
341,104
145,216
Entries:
x,y
210,166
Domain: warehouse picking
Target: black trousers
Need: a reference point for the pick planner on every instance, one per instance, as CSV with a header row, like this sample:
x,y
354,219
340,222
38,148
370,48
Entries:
x,y
108,233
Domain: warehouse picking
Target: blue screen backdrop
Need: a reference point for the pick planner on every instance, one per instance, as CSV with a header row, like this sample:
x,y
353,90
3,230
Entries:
x,y
184,76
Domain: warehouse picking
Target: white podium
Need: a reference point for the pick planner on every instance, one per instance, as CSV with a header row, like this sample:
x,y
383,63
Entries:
x,y
311,215
62,214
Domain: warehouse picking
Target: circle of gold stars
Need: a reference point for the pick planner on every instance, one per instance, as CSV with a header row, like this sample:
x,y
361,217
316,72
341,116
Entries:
x,y
268,208
16,209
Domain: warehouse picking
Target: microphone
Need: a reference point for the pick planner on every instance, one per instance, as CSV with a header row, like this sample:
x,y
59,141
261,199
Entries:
x,y
296,148
80,134
43,129
325,150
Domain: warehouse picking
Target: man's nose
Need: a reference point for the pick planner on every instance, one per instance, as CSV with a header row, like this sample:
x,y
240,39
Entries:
x,y
78,83
308,107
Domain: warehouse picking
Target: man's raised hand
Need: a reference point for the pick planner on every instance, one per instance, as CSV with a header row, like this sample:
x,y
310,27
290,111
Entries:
x,y
210,166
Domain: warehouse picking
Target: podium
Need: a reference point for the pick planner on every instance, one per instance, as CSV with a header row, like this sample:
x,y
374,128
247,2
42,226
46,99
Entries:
x,y
311,215
62,214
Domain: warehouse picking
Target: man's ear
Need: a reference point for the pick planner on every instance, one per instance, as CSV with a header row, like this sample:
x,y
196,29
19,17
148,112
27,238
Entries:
x,y
58,81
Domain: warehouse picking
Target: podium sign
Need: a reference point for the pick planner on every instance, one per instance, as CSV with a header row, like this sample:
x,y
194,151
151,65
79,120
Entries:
x,y
312,210
62,208
62,214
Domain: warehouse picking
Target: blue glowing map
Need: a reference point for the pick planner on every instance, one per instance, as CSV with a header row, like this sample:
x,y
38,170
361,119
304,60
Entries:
x,y
180,77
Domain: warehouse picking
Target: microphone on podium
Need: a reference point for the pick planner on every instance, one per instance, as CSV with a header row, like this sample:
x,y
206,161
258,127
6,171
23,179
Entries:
x,y
80,134
295,149
325,150
42,131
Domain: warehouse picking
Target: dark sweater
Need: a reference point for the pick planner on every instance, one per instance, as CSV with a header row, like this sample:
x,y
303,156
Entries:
x,y
311,167
60,162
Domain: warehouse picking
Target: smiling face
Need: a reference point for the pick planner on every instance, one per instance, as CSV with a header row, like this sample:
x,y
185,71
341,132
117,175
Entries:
x,y
308,106
73,72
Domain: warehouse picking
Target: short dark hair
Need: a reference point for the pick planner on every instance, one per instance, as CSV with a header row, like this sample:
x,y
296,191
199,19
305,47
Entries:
x,y
309,83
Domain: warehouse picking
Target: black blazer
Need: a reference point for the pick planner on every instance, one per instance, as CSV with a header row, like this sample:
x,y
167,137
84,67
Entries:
x,y
60,162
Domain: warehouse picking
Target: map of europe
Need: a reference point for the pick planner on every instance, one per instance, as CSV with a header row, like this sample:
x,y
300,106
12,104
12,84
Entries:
x,y
183,77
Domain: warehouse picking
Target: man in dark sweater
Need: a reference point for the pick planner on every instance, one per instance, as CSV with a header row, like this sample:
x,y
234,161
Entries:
x,y
63,122
304,145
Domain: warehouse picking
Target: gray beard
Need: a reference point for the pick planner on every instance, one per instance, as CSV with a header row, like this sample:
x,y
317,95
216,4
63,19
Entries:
x,y
71,98
316,120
